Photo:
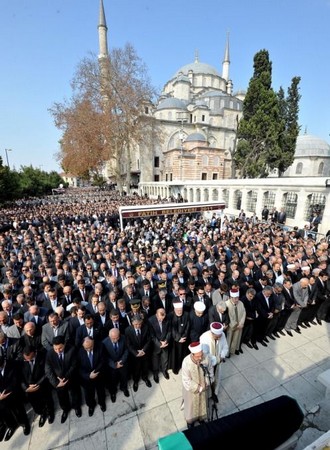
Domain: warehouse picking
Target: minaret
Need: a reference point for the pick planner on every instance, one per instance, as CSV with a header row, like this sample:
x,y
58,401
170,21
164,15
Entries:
x,y
226,61
103,30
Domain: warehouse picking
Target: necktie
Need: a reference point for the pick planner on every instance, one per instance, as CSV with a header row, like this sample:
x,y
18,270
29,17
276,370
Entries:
x,y
55,332
31,365
90,357
138,334
61,359
161,326
116,347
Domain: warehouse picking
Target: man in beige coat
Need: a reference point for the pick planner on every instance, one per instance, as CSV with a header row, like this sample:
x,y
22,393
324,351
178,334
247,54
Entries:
x,y
237,314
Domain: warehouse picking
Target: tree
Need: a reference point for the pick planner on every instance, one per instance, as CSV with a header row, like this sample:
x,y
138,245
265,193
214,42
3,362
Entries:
x,y
266,131
289,110
104,119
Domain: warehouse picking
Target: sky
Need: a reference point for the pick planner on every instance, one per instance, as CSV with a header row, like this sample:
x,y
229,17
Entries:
x,y
43,41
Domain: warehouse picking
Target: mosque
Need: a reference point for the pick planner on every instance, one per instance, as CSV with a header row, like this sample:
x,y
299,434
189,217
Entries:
x,y
198,114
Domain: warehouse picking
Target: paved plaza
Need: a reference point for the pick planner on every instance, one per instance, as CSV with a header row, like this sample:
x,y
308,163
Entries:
x,y
288,366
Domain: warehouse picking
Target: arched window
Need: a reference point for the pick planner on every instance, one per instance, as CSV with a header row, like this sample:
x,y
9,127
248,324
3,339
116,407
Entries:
x,y
321,168
216,162
205,160
299,168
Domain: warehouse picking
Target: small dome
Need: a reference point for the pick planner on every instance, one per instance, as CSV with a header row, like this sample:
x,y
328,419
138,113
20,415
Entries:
x,y
308,145
170,103
196,137
197,67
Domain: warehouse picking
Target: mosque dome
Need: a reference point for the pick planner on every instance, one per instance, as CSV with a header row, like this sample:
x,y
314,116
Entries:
x,y
195,137
308,145
172,102
197,67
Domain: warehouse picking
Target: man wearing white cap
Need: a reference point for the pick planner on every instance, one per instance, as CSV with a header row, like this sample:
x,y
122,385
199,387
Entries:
x,y
180,328
237,314
214,343
197,375
199,321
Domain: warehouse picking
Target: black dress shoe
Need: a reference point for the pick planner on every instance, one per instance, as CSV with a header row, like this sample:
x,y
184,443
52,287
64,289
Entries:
x,y
42,420
272,338
240,350
78,412
90,412
64,416
113,398
135,387
147,382
3,430
289,333
308,325
126,392
276,334
313,322
166,375
255,346
249,345
319,321
303,325
103,408
156,378
236,352
264,343
9,433
51,418
26,429
265,340
282,332
297,330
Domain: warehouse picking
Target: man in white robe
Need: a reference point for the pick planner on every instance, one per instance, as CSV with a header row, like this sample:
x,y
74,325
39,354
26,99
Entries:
x,y
214,343
197,376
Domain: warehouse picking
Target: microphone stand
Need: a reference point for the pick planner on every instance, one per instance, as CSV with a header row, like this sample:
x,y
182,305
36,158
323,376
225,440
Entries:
x,y
214,398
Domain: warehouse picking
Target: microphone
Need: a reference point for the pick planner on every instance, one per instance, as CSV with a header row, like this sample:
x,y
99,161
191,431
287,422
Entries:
x,y
204,368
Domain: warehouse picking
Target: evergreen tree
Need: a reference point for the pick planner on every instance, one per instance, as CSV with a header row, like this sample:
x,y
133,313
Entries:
x,y
268,130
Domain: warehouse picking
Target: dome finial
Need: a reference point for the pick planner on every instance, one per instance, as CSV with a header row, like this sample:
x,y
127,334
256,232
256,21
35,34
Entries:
x,y
196,55
305,130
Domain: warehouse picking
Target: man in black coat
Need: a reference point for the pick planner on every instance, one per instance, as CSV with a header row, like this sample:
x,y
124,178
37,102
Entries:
x,y
35,384
61,371
87,329
12,411
160,329
91,373
115,354
138,342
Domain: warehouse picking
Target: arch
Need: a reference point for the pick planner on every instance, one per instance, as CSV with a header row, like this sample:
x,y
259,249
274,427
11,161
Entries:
x,y
289,203
225,196
237,199
299,168
206,195
191,195
215,195
216,161
321,168
251,201
198,195
205,160
314,202
268,199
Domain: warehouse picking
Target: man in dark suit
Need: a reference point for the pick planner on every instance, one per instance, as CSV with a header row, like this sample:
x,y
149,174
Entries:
x,y
12,411
101,319
265,307
162,300
61,371
160,334
138,341
87,329
116,357
52,302
201,297
35,384
91,373
82,291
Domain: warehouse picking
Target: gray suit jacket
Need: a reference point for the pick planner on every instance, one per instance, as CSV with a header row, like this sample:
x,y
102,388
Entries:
x,y
47,334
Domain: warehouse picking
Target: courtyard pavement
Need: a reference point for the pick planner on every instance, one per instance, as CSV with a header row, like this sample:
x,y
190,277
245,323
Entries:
x,y
288,366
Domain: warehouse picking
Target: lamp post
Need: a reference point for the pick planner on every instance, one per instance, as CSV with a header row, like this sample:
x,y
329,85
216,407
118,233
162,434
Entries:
x,y
7,150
